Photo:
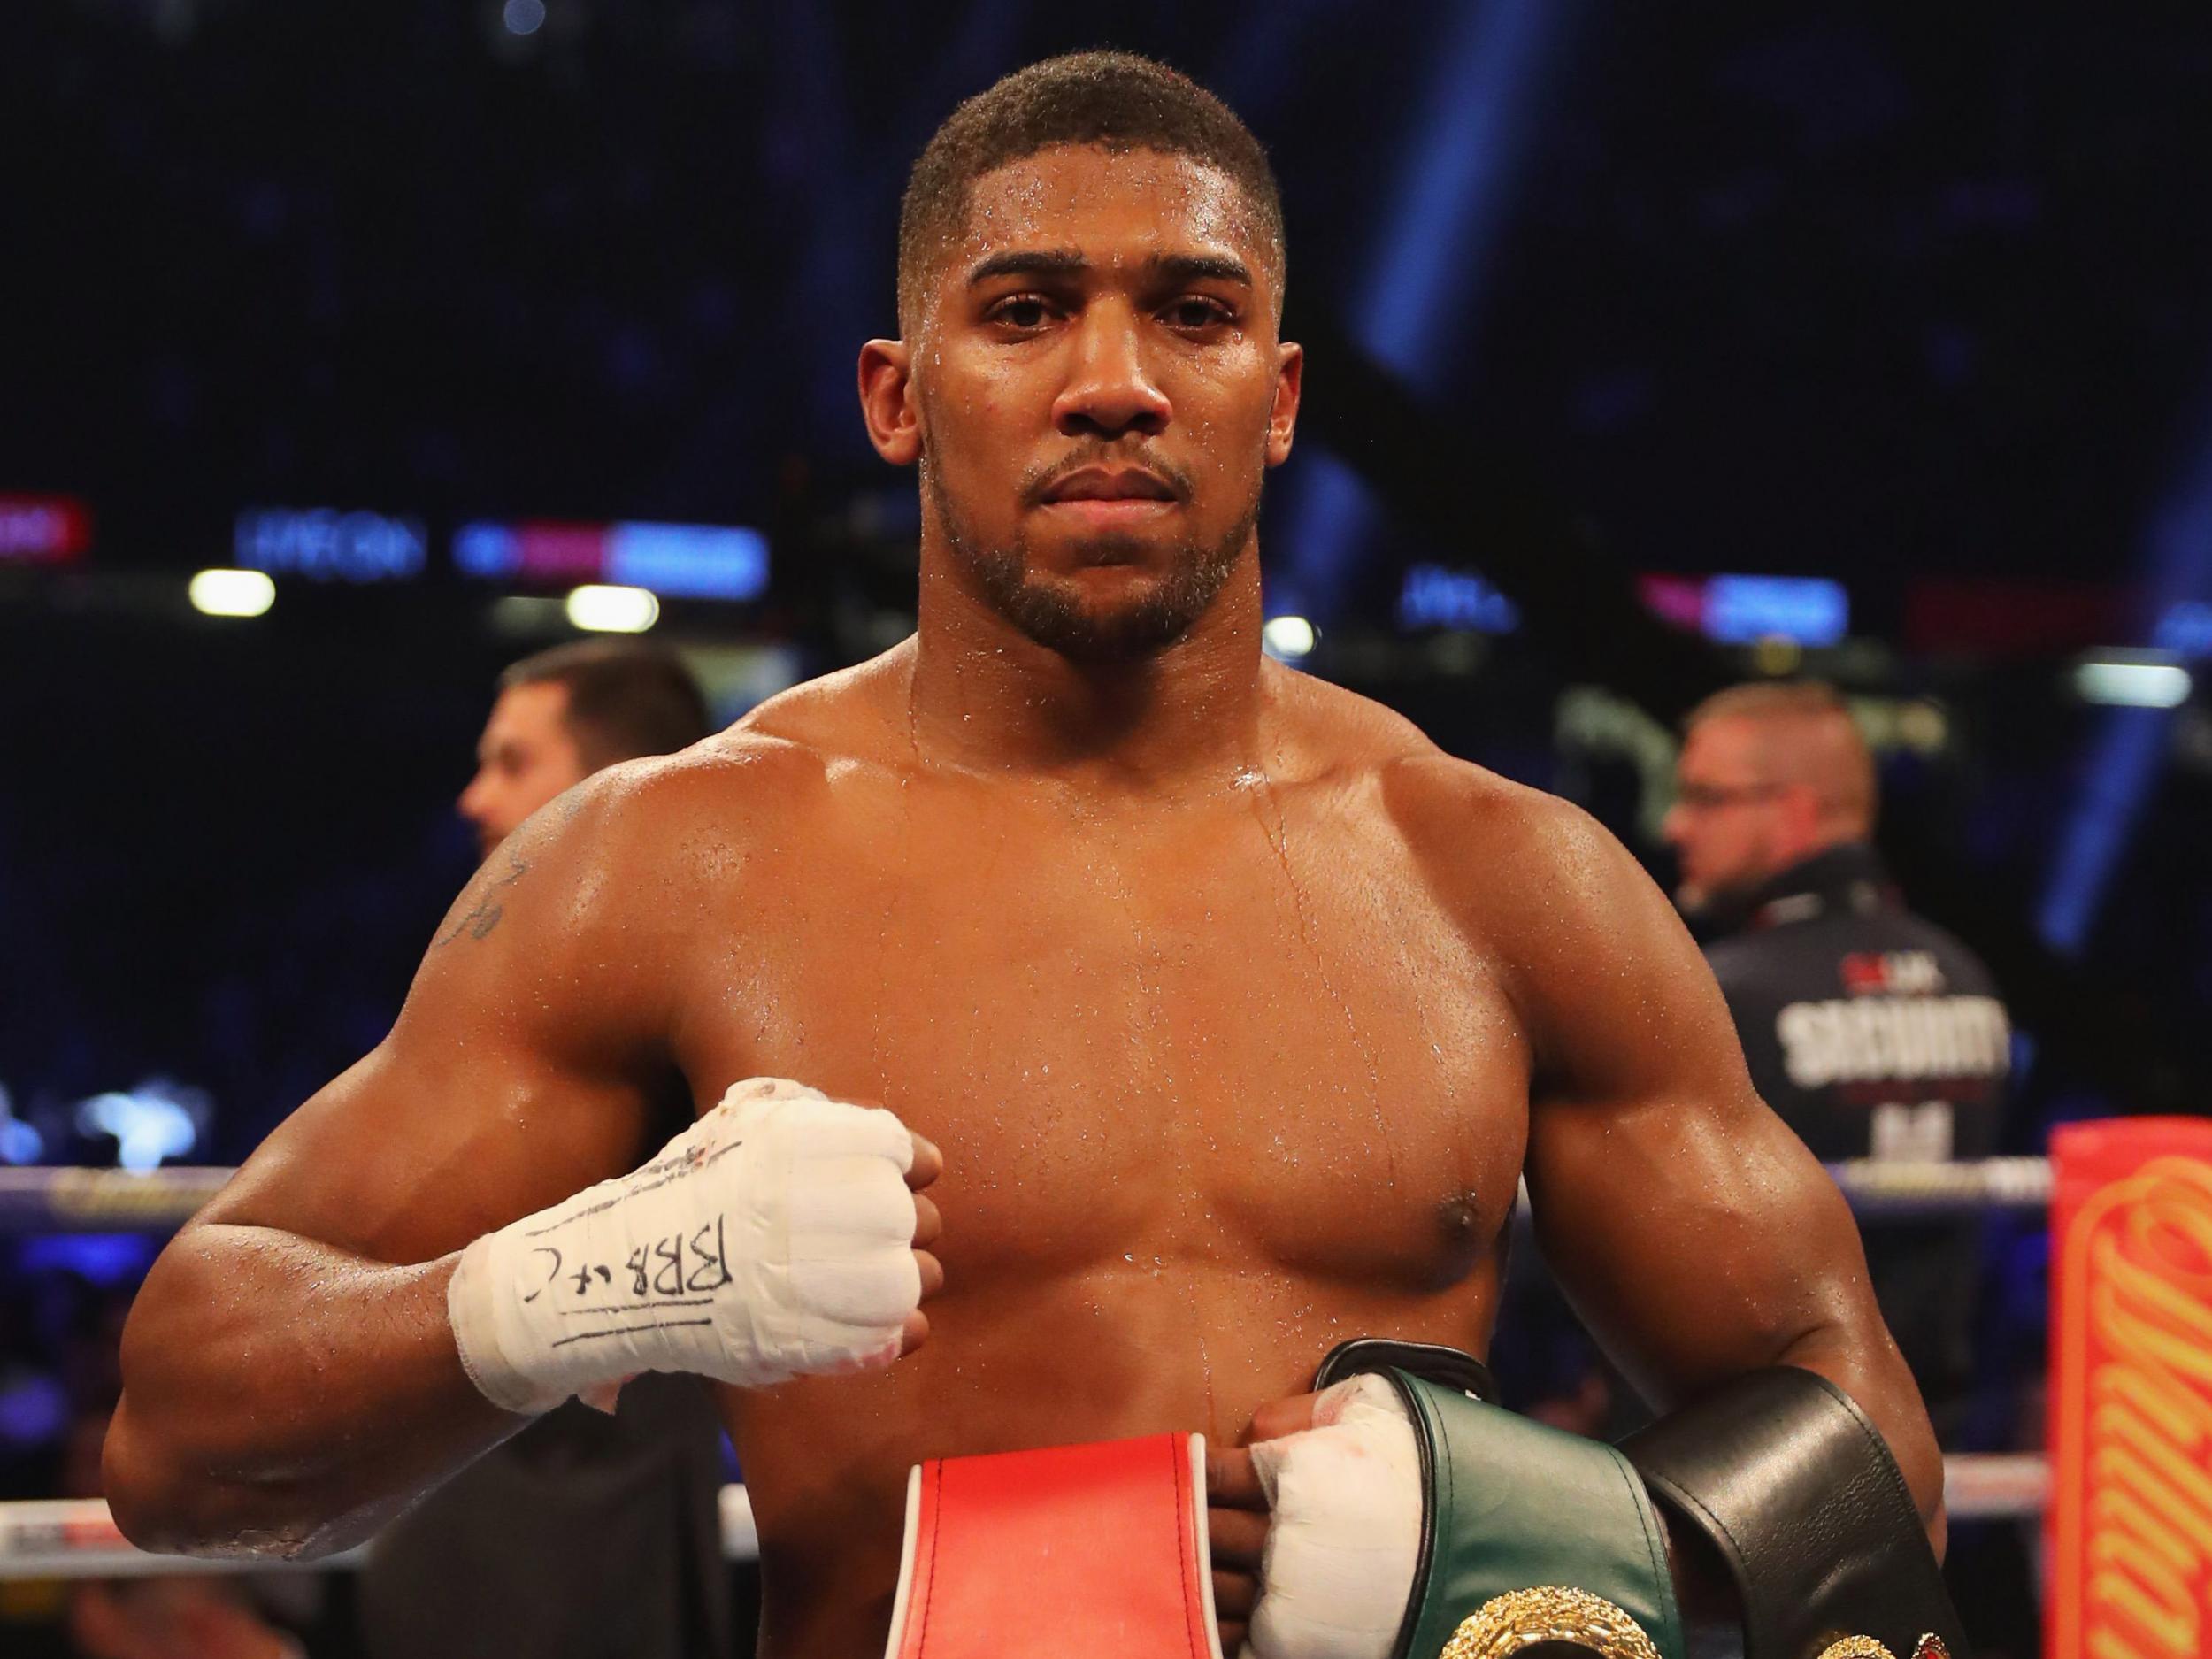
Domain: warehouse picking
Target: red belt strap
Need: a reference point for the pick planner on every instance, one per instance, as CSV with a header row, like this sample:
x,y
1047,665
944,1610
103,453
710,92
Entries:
x,y
1080,1552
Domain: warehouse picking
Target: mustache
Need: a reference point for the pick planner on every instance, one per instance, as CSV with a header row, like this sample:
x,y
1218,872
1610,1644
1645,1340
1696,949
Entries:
x,y
1038,480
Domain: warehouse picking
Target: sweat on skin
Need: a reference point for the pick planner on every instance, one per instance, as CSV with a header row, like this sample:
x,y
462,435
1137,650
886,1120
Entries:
x,y
1187,1145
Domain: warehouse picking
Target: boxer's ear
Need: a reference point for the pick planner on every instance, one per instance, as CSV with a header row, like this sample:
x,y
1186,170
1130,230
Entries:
x,y
886,401
1282,418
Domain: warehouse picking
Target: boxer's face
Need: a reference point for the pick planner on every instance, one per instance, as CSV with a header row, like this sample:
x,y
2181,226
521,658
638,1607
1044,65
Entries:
x,y
526,757
1728,824
1097,387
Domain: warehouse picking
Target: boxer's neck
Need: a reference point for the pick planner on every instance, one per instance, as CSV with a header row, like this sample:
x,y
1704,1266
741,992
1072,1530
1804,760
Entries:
x,y
984,695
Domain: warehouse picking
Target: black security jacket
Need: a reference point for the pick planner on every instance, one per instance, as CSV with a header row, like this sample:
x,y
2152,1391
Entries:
x,y
1874,1033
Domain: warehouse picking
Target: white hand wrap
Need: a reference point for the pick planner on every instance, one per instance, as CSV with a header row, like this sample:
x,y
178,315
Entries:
x,y
774,1237
1346,1534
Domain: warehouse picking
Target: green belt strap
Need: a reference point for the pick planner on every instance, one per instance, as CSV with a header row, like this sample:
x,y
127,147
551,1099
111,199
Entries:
x,y
1532,1534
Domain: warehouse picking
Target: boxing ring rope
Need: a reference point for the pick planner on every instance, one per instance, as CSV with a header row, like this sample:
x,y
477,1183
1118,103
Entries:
x,y
76,1539
104,1201
1887,1191
120,1200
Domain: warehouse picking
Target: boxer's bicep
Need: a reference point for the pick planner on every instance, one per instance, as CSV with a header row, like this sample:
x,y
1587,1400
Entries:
x,y
1692,1230
518,1072
1696,1243
1692,1226
1699,1240
291,1376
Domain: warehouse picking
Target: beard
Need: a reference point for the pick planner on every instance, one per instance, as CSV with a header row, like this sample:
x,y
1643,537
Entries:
x,y
1053,615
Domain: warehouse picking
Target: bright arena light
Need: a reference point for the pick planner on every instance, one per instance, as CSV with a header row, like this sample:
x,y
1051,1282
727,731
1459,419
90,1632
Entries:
x,y
603,609
154,1121
1289,637
2132,685
232,593
523,17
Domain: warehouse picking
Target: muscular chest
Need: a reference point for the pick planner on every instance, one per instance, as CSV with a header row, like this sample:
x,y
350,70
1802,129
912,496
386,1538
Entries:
x,y
1244,1033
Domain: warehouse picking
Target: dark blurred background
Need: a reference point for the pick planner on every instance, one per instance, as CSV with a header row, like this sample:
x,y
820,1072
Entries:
x,y
1652,347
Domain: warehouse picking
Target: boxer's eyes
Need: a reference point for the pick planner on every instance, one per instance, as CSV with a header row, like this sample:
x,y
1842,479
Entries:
x,y
1198,313
1024,314
1189,313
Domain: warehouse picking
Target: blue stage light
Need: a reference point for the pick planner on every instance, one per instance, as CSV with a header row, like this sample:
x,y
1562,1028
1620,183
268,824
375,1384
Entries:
x,y
330,545
2129,748
154,1121
1425,288
2185,630
689,561
489,552
1434,596
1809,611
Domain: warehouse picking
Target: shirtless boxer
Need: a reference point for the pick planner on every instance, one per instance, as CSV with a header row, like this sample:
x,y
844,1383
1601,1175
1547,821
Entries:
x,y
1236,1007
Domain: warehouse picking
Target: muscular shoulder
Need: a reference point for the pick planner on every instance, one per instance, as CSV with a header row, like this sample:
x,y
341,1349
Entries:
x,y
652,834
572,943
1491,848
676,815
736,783
608,876
1579,935
1339,728
856,715
761,776
1499,847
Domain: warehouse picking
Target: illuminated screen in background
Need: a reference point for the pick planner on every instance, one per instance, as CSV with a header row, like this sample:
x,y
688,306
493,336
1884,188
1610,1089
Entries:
x,y
328,545
1810,610
44,529
1436,597
680,561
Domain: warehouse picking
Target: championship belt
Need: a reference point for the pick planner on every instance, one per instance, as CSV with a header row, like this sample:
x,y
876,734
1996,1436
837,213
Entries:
x,y
1529,1534
1796,1491
1083,1551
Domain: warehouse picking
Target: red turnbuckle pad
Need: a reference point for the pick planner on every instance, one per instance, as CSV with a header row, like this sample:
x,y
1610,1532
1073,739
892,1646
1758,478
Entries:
x,y
1078,1552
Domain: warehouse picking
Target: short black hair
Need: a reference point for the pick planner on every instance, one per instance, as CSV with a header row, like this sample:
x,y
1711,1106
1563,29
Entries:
x,y
1117,100
625,698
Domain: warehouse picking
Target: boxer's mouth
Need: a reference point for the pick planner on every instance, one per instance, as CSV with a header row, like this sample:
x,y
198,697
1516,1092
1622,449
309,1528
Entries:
x,y
1110,484
1110,498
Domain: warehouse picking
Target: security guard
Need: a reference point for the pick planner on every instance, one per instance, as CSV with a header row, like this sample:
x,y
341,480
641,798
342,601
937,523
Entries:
x,y
1873,1032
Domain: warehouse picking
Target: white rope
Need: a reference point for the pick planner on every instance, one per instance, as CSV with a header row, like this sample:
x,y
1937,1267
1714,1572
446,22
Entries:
x,y
74,1538
115,1200
104,1201
1996,1486
1880,1189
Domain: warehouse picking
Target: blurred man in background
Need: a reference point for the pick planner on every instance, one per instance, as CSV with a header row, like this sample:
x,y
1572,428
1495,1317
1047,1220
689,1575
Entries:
x,y
564,714
1874,1033
586,1536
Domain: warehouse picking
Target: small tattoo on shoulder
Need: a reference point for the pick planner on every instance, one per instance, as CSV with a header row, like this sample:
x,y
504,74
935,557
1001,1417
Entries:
x,y
479,922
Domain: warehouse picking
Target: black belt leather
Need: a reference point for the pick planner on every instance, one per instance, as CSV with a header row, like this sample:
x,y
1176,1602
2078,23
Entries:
x,y
1796,1490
